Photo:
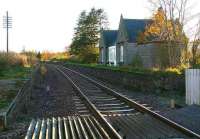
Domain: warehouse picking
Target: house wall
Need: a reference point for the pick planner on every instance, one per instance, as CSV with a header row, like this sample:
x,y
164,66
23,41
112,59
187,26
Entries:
x,y
105,55
157,55
130,50
102,55
121,41
150,55
147,53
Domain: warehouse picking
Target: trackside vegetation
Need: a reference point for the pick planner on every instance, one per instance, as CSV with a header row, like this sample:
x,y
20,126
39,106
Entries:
x,y
133,70
15,69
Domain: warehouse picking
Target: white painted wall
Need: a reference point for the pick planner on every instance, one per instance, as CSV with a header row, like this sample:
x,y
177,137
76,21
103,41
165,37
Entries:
x,y
192,81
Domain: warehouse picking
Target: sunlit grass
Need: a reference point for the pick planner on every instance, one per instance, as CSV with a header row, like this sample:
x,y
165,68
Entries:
x,y
14,68
15,65
15,72
133,70
173,70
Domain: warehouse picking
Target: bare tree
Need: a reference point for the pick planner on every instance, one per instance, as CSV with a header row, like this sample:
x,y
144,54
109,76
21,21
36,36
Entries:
x,y
175,14
173,26
195,45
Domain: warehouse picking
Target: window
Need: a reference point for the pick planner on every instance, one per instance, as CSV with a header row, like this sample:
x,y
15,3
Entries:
x,y
121,54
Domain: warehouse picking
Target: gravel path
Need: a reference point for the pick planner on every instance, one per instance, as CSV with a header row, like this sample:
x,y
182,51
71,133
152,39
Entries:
x,y
188,117
52,96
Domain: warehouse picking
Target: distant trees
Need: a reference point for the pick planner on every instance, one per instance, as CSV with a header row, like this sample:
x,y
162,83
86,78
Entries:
x,y
86,34
47,55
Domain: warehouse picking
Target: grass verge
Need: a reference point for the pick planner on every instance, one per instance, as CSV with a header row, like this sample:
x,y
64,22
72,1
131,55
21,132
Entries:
x,y
130,69
15,72
11,80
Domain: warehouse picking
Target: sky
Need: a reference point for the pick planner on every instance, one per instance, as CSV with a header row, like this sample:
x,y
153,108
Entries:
x,y
43,25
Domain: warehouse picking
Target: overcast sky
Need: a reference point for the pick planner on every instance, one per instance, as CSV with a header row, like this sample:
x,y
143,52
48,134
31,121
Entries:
x,y
48,24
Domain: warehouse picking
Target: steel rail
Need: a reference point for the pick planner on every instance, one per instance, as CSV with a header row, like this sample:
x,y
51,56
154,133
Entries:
x,y
112,132
139,107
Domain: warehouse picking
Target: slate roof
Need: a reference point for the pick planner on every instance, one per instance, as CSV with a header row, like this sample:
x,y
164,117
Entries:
x,y
110,37
134,26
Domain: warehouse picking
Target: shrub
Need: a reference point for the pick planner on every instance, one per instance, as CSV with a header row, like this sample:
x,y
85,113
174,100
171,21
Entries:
x,y
3,60
15,59
73,59
89,55
173,70
137,61
10,59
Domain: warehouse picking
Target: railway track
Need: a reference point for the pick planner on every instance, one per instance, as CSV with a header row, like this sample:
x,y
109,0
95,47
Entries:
x,y
114,115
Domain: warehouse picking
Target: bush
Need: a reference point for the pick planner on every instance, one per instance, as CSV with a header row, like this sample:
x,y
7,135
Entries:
x,y
15,59
137,62
73,59
173,70
89,55
3,60
10,59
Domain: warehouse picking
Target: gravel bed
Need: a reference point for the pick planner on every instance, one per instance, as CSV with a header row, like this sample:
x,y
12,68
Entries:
x,y
16,131
52,96
188,117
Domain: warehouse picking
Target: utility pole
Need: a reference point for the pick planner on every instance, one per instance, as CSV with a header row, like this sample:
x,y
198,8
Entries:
x,y
7,24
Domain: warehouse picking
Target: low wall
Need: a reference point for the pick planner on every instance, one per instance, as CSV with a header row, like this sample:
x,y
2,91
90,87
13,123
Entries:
x,y
157,54
136,81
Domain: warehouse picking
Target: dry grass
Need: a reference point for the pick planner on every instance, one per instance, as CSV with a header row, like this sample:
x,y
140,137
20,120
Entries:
x,y
13,66
16,59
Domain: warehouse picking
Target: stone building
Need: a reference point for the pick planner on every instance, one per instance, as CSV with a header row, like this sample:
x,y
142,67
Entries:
x,y
120,47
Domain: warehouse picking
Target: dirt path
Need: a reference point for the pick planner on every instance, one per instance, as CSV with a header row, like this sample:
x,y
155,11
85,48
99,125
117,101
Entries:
x,y
52,96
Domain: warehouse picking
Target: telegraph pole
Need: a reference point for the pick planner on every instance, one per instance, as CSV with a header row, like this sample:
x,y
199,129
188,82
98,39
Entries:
x,y
7,24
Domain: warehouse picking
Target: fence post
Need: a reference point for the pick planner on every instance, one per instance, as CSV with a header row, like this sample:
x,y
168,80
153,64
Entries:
x,y
3,120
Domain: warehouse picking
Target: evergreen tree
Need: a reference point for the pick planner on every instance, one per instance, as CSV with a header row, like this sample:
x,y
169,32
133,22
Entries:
x,y
87,34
